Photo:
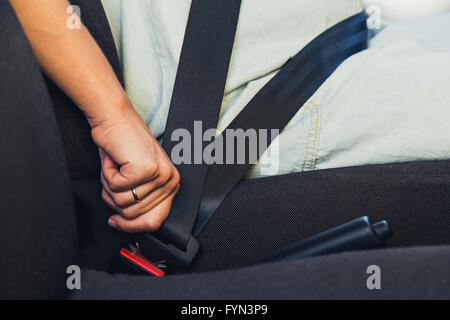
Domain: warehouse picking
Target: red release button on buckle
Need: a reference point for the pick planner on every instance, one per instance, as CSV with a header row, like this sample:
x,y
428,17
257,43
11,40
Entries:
x,y
141,262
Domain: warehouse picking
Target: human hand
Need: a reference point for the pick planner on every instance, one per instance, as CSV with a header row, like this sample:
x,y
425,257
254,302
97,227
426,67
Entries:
x,y
132,158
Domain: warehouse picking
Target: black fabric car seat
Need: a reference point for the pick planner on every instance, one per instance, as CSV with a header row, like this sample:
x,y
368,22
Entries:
x,y
257,217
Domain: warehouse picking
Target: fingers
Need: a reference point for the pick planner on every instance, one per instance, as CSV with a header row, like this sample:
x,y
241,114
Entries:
x,y
149,193
127,176
130,174
126,205
148,222
155,189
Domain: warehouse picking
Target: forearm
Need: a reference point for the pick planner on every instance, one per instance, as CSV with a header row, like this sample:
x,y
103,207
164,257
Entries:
x,y
133,162
72,59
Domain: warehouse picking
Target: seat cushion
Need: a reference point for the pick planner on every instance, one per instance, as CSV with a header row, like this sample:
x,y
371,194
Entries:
x,y
405,273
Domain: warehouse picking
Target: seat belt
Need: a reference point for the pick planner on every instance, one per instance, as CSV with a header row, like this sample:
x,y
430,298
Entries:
x,y
197,96
279,100
201,73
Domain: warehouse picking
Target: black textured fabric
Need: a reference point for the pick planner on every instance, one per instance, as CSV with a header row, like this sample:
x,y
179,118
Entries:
x,y
38,226
81,152
406,273
99,243
262,215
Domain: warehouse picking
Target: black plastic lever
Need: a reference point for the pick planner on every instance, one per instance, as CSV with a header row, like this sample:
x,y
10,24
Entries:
x,y
357,234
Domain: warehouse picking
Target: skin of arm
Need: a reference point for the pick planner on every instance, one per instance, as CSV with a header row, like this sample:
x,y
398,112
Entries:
x,y
130,155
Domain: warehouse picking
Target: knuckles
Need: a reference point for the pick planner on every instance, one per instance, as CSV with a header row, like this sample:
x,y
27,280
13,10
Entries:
x,y
166,173
176,177
172,185
149,170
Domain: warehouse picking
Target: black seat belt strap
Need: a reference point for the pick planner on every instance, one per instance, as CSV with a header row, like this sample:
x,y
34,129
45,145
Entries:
x,y
197,96
280,99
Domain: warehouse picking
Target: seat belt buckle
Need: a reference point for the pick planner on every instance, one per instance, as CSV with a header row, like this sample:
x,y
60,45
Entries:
x,y
157,249
152,256
133,258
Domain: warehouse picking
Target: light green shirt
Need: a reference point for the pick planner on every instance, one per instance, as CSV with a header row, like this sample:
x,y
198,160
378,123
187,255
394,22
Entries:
x,y
385,104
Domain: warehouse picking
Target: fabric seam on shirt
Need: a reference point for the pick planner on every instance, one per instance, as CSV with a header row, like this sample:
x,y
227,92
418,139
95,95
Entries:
x,y
310,158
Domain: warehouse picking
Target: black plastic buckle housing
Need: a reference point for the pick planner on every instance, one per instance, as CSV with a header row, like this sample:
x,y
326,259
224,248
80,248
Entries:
x,y
154,248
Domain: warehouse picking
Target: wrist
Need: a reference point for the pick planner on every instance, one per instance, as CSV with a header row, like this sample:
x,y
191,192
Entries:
x,y
115,116
110,112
